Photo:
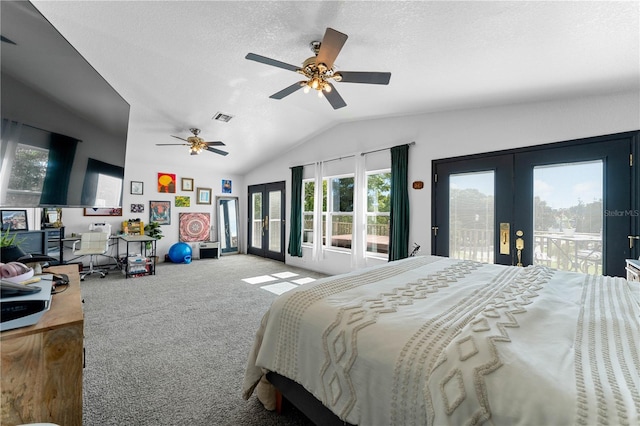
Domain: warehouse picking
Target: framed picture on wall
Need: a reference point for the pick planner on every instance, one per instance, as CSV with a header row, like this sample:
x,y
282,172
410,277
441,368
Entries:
x,y
16,220
187,184
137,188
226,186
97,211
160,211
167,182
204,196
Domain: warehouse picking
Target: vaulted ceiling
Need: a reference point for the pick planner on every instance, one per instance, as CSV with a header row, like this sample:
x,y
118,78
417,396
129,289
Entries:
x,y
178,63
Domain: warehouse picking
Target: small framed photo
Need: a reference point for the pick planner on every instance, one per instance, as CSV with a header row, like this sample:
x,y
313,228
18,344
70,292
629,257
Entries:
x,y
16,220
183,201
137,188
226,186
137,208
204,196
187,184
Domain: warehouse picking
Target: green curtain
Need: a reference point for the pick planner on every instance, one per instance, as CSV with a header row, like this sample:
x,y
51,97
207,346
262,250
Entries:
x,y
399,216
62,151
295,230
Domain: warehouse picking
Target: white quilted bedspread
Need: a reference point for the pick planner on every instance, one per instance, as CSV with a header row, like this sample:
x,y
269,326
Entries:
x,y
436,341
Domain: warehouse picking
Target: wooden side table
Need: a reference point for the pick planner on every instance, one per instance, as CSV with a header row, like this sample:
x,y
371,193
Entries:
x,y
42,363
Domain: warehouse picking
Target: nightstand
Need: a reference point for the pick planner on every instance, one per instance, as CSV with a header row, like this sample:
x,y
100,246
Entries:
x,y
633,270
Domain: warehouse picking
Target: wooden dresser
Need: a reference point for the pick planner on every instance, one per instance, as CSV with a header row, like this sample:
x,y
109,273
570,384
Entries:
x,y
633,270
42,364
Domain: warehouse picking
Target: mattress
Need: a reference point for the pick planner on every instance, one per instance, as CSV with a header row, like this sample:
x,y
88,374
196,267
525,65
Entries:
x,y
431,341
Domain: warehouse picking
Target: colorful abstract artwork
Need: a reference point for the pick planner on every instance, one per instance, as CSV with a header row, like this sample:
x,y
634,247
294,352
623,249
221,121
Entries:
x,y
183,201
167,183
160,211
194,227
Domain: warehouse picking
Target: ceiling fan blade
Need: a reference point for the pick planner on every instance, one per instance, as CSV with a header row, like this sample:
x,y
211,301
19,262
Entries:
x,y
334,98
215,143
217,151
184,144
269,61
330,46
178,137
365,77
286,91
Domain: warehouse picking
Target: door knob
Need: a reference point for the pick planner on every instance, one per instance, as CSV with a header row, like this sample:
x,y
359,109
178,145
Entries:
x,y
519,246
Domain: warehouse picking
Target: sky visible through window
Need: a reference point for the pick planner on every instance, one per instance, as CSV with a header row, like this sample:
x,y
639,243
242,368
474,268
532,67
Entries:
x,y
560,185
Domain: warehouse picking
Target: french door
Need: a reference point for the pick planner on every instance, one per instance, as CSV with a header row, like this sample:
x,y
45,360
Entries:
x,y
572,205
266,220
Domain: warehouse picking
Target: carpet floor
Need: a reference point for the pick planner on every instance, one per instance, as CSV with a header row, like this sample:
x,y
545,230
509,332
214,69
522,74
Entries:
x,y
171,348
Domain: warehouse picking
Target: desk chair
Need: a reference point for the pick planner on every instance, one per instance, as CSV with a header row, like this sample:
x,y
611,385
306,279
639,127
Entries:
x,y
93,244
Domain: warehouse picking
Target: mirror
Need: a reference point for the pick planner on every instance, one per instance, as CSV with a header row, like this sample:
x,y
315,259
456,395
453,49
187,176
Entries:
x,y
228,224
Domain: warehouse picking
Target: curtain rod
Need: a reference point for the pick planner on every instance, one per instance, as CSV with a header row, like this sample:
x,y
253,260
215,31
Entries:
x,y
382,149
325,161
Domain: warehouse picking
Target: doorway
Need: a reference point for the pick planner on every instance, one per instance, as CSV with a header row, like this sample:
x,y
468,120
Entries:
x,y
570,205
266,220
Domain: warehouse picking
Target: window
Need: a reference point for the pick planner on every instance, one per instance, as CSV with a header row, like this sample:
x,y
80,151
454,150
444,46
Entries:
x,y
338,212
308,188
378,208
27,176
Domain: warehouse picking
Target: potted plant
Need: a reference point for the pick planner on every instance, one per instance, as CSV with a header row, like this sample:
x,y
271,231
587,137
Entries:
x,y
9,246
152,229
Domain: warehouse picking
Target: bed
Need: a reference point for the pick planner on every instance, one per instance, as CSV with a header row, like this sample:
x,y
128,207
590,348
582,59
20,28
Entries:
x,y
432,341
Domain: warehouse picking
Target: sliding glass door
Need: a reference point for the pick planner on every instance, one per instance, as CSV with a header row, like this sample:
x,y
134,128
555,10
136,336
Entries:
x,y
570,206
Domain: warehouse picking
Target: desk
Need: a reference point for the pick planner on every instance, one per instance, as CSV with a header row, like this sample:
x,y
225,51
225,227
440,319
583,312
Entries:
x,y
140,264
42,363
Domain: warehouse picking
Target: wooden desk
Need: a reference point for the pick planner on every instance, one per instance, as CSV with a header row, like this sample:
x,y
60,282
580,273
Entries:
x,y
42,364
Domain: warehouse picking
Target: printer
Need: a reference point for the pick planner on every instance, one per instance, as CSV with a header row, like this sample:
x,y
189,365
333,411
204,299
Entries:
x,y
23,305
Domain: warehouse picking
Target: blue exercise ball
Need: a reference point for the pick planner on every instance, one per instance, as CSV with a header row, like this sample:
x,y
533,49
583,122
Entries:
x,y
180,253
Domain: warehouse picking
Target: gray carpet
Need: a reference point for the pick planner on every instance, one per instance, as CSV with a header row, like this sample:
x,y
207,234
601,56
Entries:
x,y
171,349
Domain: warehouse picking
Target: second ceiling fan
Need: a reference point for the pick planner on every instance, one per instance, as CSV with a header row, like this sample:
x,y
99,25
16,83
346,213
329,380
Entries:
x,y
196,144
319,69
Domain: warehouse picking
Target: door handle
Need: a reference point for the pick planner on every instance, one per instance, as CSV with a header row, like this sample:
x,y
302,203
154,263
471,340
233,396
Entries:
x,y
519,246
265,223
631,238
504,237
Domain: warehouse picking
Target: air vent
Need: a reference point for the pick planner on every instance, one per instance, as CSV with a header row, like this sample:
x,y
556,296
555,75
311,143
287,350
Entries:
x,y
222,117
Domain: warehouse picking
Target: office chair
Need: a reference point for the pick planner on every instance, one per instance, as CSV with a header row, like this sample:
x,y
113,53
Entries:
x,y
93,244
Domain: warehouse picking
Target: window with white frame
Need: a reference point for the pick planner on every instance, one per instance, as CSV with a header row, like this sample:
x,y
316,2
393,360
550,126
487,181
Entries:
x,y
378,209
308,189
338,211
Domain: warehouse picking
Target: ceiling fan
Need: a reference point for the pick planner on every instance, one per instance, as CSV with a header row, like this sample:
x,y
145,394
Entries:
x,y
196,144
319,69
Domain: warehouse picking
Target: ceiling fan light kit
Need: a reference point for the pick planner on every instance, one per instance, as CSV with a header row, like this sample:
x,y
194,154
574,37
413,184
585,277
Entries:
x,y
319,69
196,144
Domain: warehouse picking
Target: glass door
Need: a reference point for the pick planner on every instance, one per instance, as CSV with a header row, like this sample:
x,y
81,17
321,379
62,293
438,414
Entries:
x,y
266,220
571,206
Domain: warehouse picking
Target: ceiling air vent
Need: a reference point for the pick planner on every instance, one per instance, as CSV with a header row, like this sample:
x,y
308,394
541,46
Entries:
x,y
222,117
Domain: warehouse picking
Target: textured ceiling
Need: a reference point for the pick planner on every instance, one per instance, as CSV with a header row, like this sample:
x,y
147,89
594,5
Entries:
x,y
179,62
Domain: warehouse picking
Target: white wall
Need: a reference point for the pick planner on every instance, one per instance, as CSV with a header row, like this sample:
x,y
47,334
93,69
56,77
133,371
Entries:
x,y
142,170
450,134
